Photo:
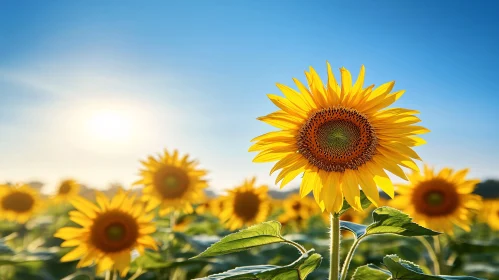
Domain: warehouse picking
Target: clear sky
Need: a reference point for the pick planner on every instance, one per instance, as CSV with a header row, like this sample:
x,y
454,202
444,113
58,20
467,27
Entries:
x,y
194,75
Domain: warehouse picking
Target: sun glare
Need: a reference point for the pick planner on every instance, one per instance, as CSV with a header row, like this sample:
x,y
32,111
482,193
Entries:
x,y
108,125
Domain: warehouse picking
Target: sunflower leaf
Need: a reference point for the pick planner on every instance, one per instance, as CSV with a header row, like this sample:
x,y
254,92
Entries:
x,y
400,269
388,220
254,236
357,229
364,201
299,269
371,272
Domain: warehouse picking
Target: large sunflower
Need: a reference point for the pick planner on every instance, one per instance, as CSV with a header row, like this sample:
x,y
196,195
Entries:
x,y
439,200
18,203
340,137
66,191
245,205
171,182
110,231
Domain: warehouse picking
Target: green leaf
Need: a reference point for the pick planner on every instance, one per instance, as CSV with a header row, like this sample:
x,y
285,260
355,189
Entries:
x,y
299,269
5,250
401,269
370,272
390,220
254,236
357,229
364,201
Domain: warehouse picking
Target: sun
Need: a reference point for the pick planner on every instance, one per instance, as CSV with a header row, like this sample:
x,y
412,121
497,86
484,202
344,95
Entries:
x,y
109,125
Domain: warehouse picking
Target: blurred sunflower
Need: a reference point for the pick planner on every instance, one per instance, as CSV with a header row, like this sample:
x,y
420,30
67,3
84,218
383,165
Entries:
x,y
490,213
439,200
171,182
110,231
340,138
211,205
19,203
297,209
66,191
245,205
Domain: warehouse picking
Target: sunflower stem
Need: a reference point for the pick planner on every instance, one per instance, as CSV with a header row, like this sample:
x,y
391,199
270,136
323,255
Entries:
x,y
348,259
432,254
110,275
334,252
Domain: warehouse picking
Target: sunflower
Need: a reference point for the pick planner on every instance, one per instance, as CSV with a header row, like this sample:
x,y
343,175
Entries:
x,y
297,209
490,214
339,137
245,205
439,200
18,203
171,182
66,191
110,231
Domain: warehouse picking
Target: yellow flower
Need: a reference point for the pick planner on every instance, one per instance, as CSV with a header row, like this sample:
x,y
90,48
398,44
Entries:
x,y
171,182
109,232
297,209
66,191
211,205
245,205
439,200
490,213
339,137
18,203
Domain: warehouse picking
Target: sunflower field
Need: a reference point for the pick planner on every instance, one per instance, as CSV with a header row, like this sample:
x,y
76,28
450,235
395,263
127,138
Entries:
x,y
347,220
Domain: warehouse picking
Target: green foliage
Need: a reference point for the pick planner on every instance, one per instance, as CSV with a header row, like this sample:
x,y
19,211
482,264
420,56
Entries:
x,y
399,269
387,220
299,269
254,236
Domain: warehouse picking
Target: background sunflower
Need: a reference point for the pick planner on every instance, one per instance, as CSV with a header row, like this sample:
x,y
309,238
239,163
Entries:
x,y
172,182
439,200
245,205
109,232
66,191
19,202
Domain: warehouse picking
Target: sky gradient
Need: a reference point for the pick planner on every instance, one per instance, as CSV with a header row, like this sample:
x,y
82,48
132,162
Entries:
x,y
194,75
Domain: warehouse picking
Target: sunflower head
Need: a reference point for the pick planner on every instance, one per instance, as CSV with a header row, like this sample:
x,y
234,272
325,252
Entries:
x,y
490,213
439,200
109,231
297,209
245,205
341,137
66,191
172,182
19,203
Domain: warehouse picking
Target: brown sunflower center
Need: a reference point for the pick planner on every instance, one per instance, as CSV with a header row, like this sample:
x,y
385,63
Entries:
x,y
171,182
114,231
336,139
436,197
246,205
18,202
296,206
65,188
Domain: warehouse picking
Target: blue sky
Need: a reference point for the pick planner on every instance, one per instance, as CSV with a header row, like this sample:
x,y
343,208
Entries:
x,y
194,75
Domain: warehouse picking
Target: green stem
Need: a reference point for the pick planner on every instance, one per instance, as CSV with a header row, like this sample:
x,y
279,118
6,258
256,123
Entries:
x,y
110,275
348,259
432,254
298,246
439,254
334,253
